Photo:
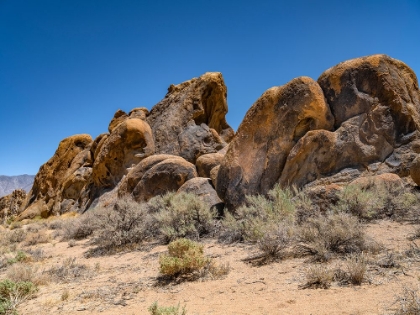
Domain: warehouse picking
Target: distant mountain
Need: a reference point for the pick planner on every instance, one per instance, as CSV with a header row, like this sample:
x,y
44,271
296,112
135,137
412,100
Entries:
x,y
10,183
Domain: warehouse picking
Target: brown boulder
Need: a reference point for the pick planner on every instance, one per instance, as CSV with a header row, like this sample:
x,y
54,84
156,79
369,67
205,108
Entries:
x,y
156,175
129,143
256,156
190,120
376,104
207,162
46,193
10,205
415,170
202,188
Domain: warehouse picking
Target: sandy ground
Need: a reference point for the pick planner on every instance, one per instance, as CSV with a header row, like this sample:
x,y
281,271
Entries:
x,y
127,283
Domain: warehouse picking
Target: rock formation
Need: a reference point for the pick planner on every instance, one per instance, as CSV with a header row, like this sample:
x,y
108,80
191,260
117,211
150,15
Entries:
x,y
12,203
361,118
272,126
190,120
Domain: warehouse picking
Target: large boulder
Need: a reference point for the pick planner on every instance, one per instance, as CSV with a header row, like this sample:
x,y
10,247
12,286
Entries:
x,y
375,101
156,175
10,205
130,141
272,126
207,162
46,194
190,120
202,188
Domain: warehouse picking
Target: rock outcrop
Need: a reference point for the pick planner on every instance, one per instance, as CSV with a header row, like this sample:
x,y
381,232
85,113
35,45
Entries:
x,y
11,204
376,105
256,156
190,120
157,175
51,184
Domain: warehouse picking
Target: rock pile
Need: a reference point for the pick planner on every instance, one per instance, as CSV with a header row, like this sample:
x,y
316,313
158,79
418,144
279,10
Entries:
x,y
360,118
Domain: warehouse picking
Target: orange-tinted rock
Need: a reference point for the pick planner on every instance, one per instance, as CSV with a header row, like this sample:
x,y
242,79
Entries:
x,y
10,205
207,162
190,120
157,175
46,194
376,104
257,154
129,143
415,170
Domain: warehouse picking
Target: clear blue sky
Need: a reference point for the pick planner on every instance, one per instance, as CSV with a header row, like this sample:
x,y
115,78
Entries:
x,y
66,66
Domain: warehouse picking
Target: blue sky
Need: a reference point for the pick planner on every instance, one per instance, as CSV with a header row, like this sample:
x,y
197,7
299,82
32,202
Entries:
x,y
67,66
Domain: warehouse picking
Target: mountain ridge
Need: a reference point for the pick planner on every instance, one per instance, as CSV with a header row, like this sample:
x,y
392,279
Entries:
x,y
10,183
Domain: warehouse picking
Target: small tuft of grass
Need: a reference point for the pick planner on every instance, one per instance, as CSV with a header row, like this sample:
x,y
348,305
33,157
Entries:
x,y
14,293
318,277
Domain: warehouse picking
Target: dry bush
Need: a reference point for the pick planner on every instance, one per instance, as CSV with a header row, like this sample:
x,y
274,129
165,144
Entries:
x,y
409,302
182,215
413,253
323,236
124,225
14,293
155,309
184,258
33,238
387,200
76,228
355,270
389,260
251,221
317,277
12,237
68,271
21,272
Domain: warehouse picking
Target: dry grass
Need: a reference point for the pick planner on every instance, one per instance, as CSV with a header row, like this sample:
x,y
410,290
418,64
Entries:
x,y
318,277
34,238
408,302
68,271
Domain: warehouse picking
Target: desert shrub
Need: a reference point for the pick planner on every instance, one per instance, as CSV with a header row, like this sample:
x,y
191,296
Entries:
x,y
21,272
33,238
250,222
354,272
13,293
375,201
76,228
182,215
117,227
13,236
69,270
184,257
155,309
409,303
19,257
323,236
318,277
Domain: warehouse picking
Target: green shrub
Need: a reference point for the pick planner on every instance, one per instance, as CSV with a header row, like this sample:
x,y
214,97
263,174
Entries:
x,y
14,293
250,222
184,257
182,215
323,236
155,309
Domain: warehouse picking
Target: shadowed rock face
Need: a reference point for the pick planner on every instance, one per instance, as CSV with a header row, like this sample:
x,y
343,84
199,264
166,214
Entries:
x,y
376,104
278,119
190,120
49,185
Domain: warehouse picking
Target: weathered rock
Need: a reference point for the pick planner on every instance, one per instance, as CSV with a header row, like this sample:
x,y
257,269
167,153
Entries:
x,y
118,118
376,104
415,170
46,193
256,156
199,102
129,143
156,175
207,162
10,205
213,175
202,188
386,179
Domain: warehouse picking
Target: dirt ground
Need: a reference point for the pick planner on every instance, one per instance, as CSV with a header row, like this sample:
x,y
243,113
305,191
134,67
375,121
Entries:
x,y
127,283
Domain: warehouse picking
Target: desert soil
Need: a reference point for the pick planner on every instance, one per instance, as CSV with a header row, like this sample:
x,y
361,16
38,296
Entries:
x,y
126,283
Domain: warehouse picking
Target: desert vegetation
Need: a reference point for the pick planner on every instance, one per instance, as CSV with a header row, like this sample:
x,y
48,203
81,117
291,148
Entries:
x,y
331,244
